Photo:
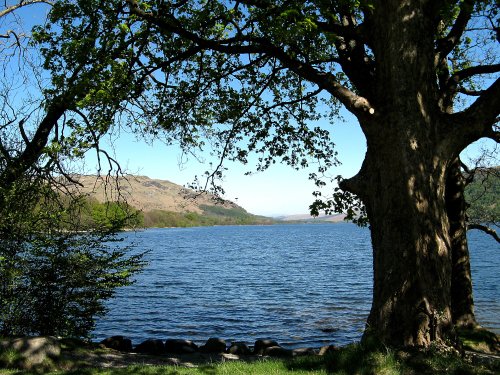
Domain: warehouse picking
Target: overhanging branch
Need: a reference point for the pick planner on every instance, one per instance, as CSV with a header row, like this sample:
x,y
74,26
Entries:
x,y
21,4
485,229
475,70
244,44
476,121
450,41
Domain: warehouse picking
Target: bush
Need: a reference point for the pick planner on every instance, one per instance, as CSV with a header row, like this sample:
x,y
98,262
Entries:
x,y
54,278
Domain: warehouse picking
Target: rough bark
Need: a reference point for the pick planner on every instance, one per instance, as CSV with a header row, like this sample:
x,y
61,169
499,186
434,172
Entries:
x,y
402,184
462,303
411,248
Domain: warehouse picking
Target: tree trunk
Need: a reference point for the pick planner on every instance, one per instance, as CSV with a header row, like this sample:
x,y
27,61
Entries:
x,y
402,184
462,303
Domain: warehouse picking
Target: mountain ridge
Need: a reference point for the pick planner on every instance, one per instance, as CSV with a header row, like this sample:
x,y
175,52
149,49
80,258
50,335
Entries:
x,y
148,194
164,203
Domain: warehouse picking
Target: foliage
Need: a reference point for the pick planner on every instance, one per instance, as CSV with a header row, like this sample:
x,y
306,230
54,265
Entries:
x,y
110,215
73,276
482,195
55,279
212,215
340,202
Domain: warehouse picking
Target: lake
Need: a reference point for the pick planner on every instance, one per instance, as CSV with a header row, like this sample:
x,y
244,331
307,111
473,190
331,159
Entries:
x,y
302,285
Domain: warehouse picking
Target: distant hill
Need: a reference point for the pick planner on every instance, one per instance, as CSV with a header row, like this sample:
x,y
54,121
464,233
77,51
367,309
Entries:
x,y
165,204
310,219
147,194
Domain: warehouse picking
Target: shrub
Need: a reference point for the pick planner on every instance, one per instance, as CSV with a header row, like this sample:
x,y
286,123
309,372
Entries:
x,y
54,277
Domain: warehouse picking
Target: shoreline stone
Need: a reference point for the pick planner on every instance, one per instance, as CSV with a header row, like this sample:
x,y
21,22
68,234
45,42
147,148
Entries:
x,y
277,351
119,343
239,348
214,345
151,346
180,346
261,345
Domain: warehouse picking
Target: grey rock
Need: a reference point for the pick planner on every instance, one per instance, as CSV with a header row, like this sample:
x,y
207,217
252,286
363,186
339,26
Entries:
x,y
261,345
303,351
33,351
120,343
214,345
277,351
180,346
151,346
328,349
239,348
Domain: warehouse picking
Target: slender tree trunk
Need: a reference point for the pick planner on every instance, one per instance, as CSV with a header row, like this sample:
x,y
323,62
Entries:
x,y
462,303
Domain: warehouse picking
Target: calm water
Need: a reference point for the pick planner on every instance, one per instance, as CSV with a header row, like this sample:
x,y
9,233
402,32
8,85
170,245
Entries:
x,y
302,285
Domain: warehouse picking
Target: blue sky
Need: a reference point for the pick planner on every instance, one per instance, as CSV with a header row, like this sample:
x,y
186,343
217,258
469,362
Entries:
x,y
280,190
277,191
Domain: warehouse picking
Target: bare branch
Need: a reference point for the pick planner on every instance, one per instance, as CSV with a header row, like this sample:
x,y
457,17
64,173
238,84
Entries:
x,y
21,4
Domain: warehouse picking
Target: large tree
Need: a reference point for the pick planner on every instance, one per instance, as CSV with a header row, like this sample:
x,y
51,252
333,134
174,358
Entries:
x,y
250,75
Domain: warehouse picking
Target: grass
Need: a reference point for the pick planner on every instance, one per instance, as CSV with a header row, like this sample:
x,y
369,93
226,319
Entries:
x,y
351,359
479,340
262,367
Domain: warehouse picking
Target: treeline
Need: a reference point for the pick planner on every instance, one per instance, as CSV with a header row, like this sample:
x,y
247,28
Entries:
x,y
120,215
212,215
109,215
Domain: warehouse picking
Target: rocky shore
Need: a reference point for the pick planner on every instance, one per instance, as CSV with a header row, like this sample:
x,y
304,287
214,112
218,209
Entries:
x,y
213,345
118,351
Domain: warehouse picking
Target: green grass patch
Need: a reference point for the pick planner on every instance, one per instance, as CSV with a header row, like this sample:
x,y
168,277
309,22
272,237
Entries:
x,y
351,359
479,340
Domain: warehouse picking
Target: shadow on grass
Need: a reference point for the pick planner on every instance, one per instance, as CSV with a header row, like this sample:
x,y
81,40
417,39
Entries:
x,y
356,359
479,339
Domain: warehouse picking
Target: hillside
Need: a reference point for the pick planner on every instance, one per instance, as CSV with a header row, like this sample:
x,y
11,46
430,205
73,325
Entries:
x,y
311,219
164,204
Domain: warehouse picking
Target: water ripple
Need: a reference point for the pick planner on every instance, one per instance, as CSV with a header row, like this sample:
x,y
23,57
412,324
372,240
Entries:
x,y
302,285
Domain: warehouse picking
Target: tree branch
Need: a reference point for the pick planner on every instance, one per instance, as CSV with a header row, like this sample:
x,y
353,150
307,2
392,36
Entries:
x,y
452,84
485,229
450,41
475,70
465,91
358,105
477,120
34,148
261,4
21,4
